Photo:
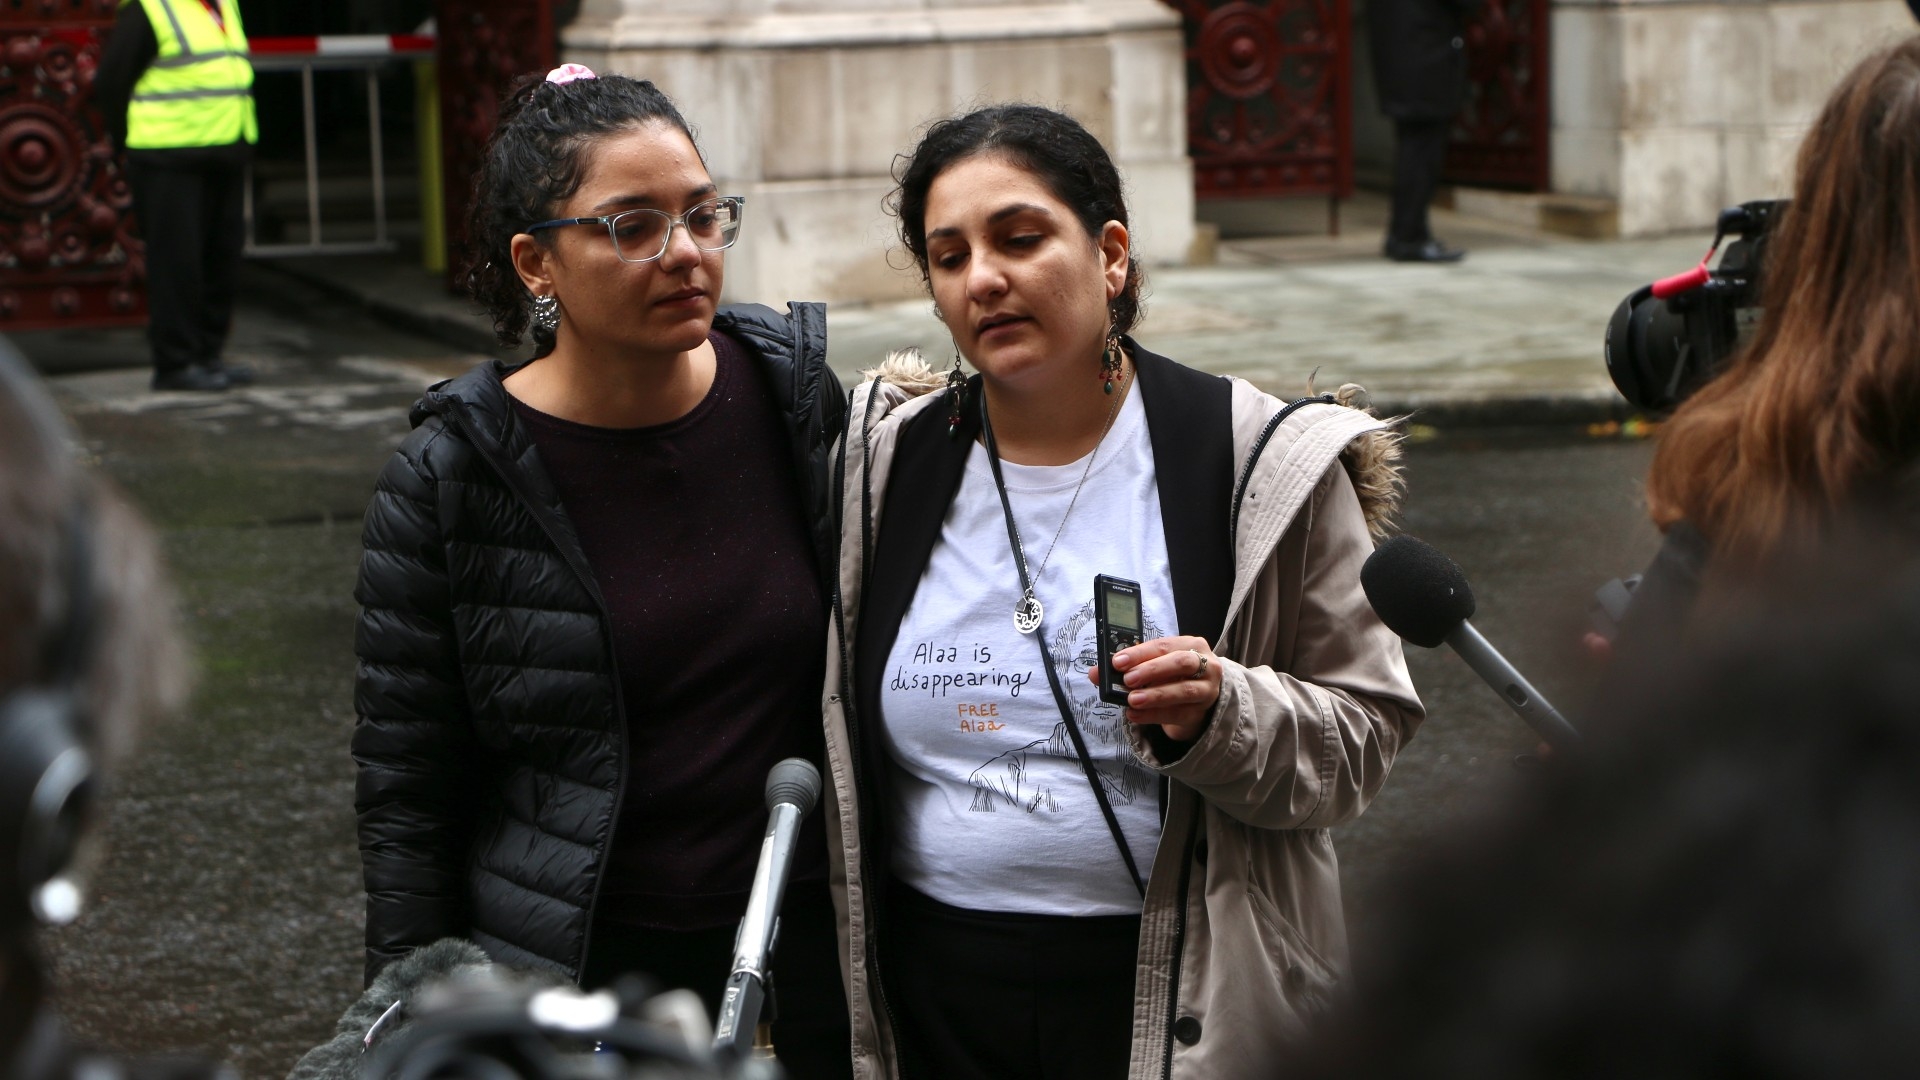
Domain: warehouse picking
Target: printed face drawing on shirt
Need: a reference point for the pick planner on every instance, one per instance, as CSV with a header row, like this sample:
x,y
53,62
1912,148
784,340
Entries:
x,y
1004,782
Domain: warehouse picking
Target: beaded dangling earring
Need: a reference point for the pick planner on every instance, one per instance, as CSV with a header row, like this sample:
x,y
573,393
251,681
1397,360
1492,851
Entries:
x,y
1110,359
956,389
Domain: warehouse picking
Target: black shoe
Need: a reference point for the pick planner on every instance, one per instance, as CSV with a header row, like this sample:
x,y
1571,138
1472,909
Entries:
x,y
1430,251
237,374
191,377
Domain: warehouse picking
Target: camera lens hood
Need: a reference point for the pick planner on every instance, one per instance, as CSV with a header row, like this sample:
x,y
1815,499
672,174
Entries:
x,y
1625,346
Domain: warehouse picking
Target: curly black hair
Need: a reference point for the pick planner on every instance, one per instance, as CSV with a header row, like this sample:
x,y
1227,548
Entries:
x,y
1053,146
535,161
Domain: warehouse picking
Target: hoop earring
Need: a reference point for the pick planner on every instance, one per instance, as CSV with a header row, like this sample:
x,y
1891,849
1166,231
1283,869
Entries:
x,y
546,312
956,390
1110,359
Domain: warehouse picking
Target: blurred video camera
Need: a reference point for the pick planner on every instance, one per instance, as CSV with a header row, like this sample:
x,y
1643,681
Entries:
x,y
484,1027
1668,338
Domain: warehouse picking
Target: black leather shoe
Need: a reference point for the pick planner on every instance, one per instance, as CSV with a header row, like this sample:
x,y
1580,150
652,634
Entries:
x,y
191,377
1432,251
237,374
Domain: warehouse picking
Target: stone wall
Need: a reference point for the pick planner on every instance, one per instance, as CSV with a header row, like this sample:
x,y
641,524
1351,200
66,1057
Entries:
x,y
1677,109
802,105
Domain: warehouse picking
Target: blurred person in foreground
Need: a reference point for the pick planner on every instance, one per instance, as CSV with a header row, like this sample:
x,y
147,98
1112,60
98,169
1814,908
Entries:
x,y
88,654
1723,884
1820,412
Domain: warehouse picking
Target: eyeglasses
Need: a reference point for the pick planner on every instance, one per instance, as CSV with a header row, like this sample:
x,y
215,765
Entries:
x,y
643,235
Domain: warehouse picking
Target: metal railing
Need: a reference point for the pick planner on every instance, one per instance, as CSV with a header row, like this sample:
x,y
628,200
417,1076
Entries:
x,y
306,55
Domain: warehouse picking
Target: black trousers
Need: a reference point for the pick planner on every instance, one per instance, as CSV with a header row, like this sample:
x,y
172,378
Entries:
x,y
999,996
191,211
1419,151
811,1035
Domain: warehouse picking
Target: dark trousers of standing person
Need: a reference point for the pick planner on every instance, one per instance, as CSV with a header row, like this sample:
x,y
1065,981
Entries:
x,y
811,1035
1001,996
190,206
1419,151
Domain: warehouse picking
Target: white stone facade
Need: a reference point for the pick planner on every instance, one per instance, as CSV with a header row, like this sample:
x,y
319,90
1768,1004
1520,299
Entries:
x,y
1672,109
802,105
1678,108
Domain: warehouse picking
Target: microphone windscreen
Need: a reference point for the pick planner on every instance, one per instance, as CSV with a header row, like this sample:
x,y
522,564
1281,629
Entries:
x,y
1418,592
794,781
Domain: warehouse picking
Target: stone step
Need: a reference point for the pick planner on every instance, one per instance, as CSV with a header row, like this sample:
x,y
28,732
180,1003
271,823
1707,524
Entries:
x,y
1585,217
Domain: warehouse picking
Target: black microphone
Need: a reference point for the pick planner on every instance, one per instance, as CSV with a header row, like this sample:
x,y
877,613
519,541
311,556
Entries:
x,y
1423,596
793,786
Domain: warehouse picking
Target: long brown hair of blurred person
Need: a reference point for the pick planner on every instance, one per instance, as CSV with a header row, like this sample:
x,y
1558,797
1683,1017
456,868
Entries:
x,y
1822,409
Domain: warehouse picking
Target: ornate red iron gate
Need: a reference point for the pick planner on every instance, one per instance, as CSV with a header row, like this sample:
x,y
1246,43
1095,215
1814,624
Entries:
x,y
1269,97
67,253
484,46
1500,137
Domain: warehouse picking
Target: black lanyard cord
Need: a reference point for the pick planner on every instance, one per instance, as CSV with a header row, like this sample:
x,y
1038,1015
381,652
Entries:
x,y
1046,663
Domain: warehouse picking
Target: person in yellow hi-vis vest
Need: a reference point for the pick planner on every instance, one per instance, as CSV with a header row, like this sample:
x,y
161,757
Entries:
x,y
176,89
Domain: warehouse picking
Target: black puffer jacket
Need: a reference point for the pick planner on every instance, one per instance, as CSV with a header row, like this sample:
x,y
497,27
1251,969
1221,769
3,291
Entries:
x,y
490,736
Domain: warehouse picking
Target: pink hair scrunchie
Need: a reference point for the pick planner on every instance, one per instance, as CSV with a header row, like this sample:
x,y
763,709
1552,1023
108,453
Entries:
x,y
566,73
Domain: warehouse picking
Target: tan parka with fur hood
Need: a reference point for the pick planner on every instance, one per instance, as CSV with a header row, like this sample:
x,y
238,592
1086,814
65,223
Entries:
x,y
1242,938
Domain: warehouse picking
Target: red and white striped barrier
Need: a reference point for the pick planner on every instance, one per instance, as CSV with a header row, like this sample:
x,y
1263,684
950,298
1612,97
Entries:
x,y
343,46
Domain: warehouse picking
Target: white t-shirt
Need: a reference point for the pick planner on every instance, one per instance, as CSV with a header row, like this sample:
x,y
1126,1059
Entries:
x,y
994,812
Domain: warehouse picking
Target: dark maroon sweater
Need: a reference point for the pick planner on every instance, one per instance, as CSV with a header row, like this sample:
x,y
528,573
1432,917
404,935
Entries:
x,y
696,536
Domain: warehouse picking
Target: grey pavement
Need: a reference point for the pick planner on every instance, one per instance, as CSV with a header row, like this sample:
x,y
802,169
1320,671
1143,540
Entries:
x,y
1512,334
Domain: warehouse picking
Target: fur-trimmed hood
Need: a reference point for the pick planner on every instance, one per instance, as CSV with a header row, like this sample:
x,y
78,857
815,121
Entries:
x,y
1373,462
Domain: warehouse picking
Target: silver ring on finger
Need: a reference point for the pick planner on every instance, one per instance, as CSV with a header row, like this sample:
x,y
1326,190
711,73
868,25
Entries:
x,y
1201,671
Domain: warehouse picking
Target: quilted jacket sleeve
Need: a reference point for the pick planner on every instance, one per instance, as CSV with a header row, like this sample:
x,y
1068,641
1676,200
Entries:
x,y
413,743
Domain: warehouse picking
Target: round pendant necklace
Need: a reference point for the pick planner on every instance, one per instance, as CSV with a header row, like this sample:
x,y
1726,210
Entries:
x,y
1028,612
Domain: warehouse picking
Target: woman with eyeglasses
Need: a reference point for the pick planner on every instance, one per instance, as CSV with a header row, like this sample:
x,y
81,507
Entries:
x,y
595,584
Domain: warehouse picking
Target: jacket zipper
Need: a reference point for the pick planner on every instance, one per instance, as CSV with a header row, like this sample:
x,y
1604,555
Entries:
x,y
577,563
839,611
1260,445
849,708
866,493
1193,830
1179,945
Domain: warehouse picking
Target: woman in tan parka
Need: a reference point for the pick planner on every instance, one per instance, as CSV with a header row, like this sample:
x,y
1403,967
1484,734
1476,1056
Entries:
x,y
1033,882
